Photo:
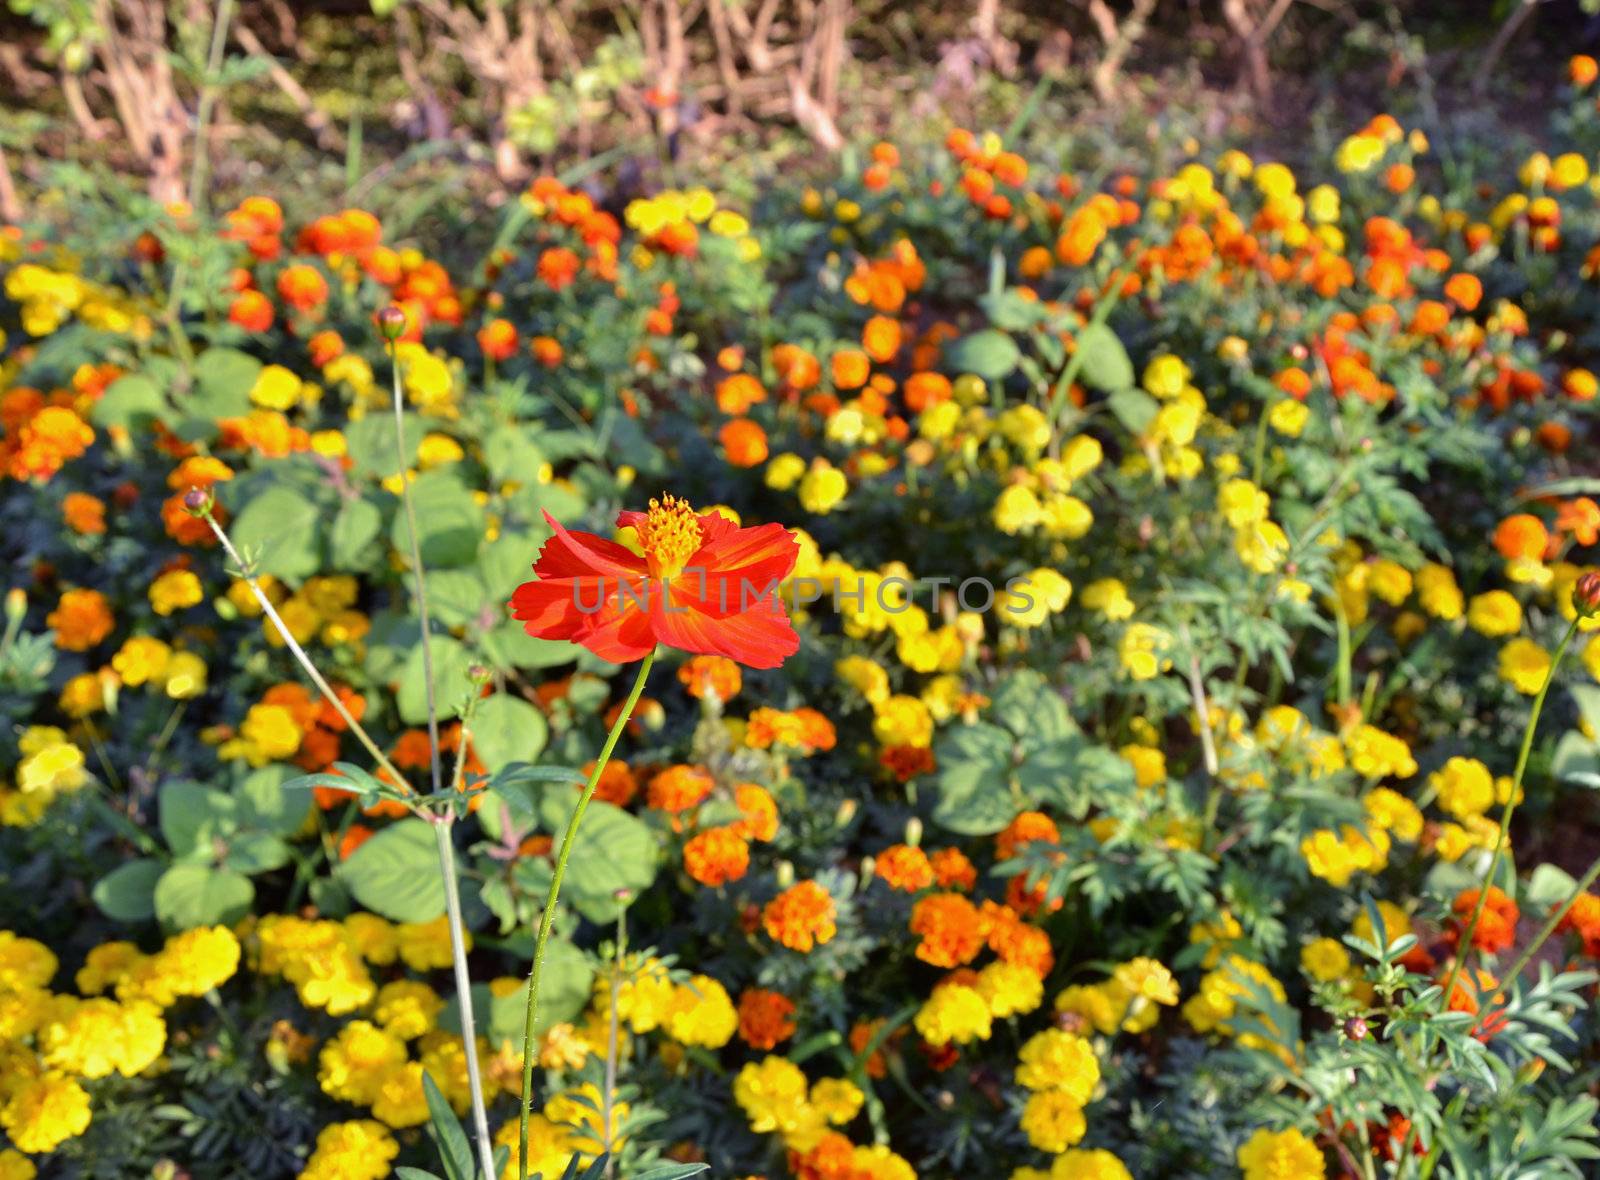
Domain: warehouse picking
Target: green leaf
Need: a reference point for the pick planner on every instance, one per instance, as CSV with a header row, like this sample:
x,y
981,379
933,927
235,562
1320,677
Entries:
x,y
990,354
193,817
283,529
451,660
190,895
396,873
457,598
133,402
127,893
370,443
266,805
1134,408
406,1171
445,1130
507,729
224,378
1104,365
355,527
255,852
975,796
612,851
510,453
1027,705
1548,886
449,522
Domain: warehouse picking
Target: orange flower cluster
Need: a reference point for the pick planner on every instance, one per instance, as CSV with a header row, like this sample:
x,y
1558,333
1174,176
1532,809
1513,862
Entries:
x,y
1583,919
951,928
39,434
765,1018
803,729
1497,925
801,917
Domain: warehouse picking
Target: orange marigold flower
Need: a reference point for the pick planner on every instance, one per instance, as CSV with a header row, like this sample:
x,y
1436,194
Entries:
x,y
765,1018
743,442
84,513
547,351
881,338
1583,919
617,783
81,619
558,267
1497,925
678,788
862,1034
906,762
711,675
904,867
1582,70
953,870
850,368
302,287
1521,536
251,310
951,928
737,392
1030,825
498,339
758,813
716,856
801,917
798,368
1464,290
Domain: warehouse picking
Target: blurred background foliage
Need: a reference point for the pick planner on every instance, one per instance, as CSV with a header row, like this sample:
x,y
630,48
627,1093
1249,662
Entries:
x,y
442,99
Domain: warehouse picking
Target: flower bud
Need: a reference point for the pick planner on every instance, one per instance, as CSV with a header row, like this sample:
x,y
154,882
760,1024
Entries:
x,y
1586,595
914,831
1356,1028
16,604
391,321
198,501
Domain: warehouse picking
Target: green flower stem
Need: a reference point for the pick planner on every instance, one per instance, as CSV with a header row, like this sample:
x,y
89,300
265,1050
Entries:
x,y
417,572
1464,946
549,916
443,829
299,652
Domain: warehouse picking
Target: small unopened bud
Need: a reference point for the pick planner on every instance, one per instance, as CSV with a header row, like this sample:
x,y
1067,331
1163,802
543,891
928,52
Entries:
x,y
391,321
914,831
478,674
16,604
198,501
783,873
1356,1028
846,812
1586,595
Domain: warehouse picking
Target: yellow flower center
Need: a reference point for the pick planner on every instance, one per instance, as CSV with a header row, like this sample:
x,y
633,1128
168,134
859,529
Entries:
x,y
669,535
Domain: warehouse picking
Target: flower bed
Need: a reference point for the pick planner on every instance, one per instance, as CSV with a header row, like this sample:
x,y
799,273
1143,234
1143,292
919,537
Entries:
x,y
1112,762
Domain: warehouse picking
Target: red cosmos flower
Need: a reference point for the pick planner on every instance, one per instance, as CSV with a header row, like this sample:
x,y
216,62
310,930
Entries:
x,y
703,585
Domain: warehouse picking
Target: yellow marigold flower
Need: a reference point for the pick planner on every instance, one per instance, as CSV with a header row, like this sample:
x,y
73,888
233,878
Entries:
x,y
1052,1121
1463,787
276,388
1110,597
865,676
772,1093
1324,959
1087,1163
1017,510
353,1065
784,471
358,1150
1142,649
407,1008
1100,1005
105,965
185,676
44,1112
700,1013
1242,503
16,1166
1149,764
1009,989
398,1098
97,1037
1281,1155
1524,665
1394,813
1148,979
953,1013
822,488
1389,580
903,721
1061,1061
1165,376
1375,754
838,1099
141,659
1289,417
175,590
1495,614
1438,592
425,946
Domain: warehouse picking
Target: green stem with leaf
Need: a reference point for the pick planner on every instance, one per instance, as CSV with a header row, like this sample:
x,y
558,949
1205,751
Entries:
x,y
547,920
